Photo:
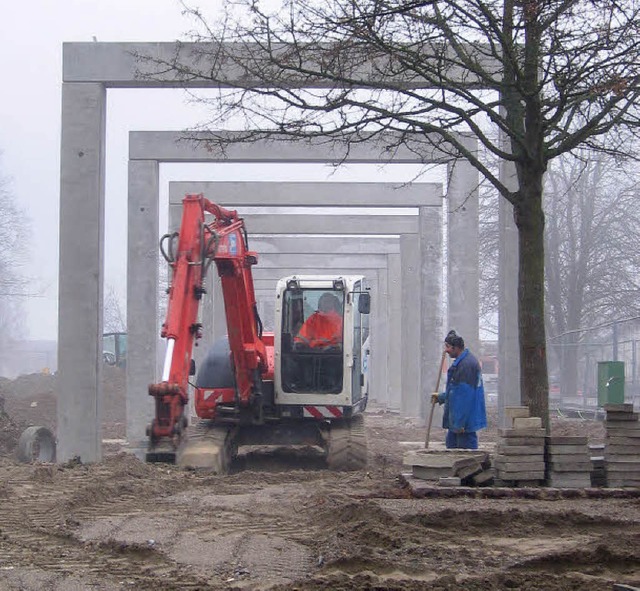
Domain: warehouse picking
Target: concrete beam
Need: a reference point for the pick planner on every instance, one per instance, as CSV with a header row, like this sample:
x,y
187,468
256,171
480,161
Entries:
x,y
323,260
264,244
137,65
179,146
325,194
261,223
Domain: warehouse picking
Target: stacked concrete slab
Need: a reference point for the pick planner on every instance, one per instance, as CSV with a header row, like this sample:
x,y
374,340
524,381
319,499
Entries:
x,y
622,448
598,466
568,462
519,455
451,467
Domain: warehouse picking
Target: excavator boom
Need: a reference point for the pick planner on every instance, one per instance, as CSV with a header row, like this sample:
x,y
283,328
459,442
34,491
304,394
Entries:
x,y
189,254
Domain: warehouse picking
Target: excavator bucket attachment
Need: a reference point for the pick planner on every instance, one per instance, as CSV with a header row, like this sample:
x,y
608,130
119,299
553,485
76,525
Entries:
x,y
206,448
161,454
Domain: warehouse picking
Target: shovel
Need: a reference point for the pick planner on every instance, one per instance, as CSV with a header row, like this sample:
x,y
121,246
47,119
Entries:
x,y
433,404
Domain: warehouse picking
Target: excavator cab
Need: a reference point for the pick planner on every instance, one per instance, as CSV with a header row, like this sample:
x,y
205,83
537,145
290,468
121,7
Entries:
x,y
313,340
321,326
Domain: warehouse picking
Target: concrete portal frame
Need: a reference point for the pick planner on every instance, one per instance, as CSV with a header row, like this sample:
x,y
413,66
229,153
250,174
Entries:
x,y
149,149
88,70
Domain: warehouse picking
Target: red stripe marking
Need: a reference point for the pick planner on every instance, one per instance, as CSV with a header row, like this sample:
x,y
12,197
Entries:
x,y
312,410
335,411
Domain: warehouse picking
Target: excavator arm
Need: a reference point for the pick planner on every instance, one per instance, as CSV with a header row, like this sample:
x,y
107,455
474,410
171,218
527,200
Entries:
x,y
199,243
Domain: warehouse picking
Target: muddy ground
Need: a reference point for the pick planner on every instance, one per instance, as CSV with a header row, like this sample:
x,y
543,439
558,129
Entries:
x,y
281,522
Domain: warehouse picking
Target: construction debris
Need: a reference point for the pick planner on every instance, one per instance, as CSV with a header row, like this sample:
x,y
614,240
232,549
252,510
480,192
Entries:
x,y
448,466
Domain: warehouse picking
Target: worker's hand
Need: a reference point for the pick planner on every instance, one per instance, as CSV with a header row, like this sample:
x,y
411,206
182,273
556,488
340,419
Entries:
x,y
434,398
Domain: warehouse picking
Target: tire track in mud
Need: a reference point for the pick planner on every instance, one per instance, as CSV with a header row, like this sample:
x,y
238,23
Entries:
x,y
34,533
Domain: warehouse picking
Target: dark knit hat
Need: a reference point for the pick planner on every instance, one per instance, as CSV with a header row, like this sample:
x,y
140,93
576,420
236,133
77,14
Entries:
x,y
454,339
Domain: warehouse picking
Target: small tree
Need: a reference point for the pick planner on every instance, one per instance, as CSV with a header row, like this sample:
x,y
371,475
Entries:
x,y
114,316
550,76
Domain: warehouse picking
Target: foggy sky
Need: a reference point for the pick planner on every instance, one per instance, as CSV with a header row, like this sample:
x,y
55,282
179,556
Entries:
x,y
31,37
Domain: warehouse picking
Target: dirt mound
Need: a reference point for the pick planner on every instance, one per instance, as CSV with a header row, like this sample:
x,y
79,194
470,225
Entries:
x,y
10,432
31,400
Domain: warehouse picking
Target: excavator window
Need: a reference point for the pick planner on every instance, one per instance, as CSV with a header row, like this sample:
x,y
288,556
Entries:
x,y
312,341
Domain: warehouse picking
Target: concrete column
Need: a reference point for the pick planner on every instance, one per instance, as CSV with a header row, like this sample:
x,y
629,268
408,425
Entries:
x,y
431,337
81,274
462,246
394,327
381,311
142,296
508,341
411,325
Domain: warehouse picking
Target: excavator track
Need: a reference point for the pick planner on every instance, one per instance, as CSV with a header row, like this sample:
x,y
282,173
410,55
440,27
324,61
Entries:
x,y
347,445
207,447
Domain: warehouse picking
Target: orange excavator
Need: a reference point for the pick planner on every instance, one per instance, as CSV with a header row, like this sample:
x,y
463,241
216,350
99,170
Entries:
x,y
255,387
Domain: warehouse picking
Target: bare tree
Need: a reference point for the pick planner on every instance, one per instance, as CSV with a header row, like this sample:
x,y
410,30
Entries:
x,y
549,76
593,257
115,319
14,229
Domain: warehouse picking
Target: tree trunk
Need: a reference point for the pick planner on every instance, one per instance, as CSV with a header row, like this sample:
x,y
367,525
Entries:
x,y
529,219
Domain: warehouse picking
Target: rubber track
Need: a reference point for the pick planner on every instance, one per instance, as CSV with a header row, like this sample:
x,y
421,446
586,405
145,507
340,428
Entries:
x,y
347,445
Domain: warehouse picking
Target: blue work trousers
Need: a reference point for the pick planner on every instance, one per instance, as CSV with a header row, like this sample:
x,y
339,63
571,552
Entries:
x,y
462,440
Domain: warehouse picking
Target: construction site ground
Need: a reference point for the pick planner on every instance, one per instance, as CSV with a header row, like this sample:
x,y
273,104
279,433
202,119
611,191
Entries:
x,y
280,521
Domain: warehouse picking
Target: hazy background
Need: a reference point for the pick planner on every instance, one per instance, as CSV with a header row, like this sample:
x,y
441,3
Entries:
x,y
31,37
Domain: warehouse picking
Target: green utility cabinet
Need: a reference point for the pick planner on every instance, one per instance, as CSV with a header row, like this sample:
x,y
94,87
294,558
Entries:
x,y
610,382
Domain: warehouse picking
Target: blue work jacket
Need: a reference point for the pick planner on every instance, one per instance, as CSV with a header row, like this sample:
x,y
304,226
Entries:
x,y
464,405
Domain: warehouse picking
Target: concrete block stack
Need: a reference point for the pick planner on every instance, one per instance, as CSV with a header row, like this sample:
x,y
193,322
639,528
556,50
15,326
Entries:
x,y
449,467
519,455
598,466
568,462
622,445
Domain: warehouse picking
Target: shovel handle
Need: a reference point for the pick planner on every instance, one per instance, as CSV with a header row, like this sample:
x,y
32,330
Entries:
x,y
433,404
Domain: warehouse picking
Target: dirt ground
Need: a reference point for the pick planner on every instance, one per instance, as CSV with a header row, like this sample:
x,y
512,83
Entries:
x,y
281,522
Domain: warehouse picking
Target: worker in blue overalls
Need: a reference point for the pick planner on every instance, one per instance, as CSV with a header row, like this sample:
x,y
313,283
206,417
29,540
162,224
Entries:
x,y
464,406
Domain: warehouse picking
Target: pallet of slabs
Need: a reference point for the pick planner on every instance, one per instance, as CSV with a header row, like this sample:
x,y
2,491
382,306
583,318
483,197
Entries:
x,y
622,446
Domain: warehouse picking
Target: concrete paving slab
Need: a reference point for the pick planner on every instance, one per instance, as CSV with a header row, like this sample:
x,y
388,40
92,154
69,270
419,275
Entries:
x,y
556,466
566,449
566,440
516,450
